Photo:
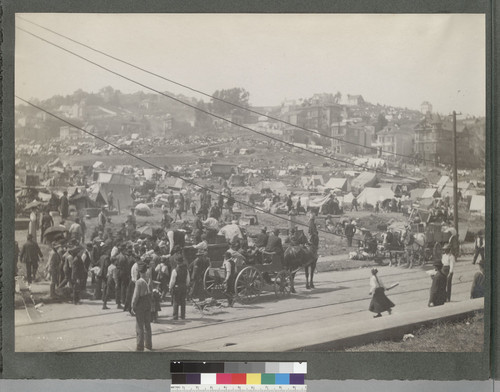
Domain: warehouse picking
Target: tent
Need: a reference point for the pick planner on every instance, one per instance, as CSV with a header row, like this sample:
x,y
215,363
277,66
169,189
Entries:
x,y
274,186
337,183
372,195
171,183
312,181
142,209
98,193
318,201
429,193
365,179
347,199
443,181
478,204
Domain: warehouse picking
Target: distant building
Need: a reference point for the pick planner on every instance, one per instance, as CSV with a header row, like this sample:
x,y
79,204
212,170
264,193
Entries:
x,y
67,132
353,100
391,139
433,142
426,107
349,138
224,170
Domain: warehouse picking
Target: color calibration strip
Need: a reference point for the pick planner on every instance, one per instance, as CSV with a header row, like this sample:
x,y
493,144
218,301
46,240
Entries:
x,y
228,376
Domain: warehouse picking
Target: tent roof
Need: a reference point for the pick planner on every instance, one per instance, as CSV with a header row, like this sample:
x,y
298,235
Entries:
x,y
363,179
442,181
372,195
336,183
478,204
114,178
276,186
428,193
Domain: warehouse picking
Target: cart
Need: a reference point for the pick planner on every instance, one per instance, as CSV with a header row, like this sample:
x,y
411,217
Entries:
x,y
252,280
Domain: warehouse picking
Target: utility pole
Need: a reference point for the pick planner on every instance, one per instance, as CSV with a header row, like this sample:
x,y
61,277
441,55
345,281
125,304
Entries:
x,y
455,174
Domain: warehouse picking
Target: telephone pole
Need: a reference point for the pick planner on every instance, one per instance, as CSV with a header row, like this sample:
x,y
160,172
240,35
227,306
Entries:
x,y
455,174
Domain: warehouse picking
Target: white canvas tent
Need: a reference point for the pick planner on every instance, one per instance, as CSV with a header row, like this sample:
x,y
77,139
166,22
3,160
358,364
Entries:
x,y
337,183
478,204
365,179
275,186
372,195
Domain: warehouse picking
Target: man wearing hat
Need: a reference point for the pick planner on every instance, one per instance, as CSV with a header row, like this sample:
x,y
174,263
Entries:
x,y
349,231
438,288
166,220
78,272
30,255
141,306
179,283
75,231
122,275
199,266
64,205
102,219
478,283
229,266
54,265
479,247
197,227
448,260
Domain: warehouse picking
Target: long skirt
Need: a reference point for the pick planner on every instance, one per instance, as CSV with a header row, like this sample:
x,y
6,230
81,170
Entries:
x,y
380,303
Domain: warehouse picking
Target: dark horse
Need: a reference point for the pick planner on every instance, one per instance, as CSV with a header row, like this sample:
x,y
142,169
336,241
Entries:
x,y
297,257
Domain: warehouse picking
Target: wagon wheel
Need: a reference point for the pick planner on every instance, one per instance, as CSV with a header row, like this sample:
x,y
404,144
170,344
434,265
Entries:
x,y
212,283
248,284
282,284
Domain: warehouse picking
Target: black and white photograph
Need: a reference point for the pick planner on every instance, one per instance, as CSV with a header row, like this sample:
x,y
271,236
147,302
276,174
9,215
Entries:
x,y
250,182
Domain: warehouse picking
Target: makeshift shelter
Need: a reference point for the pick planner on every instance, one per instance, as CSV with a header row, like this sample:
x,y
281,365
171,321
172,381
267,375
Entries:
x,y
317,202
171,183
417,193
364,180
312,181
443,181
98,193
429,193
478,204
82,201
372,195
273,186
236,180
142,209
338,183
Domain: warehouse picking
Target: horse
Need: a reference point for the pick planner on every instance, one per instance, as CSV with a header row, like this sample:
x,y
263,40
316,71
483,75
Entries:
x,y
297,257
414,246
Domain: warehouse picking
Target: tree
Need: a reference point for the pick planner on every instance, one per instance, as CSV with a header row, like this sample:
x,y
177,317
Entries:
x,y
202,120
337,97
236,95
381,122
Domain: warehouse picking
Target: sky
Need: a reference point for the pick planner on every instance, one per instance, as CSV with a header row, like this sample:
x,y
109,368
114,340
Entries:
x,y
399,60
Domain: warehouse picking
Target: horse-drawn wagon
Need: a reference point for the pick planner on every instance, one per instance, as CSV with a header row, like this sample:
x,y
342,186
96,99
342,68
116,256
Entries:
x,y
251,279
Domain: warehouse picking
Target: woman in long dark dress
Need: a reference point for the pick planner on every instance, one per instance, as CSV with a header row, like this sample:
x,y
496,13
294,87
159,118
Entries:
x,y
379,303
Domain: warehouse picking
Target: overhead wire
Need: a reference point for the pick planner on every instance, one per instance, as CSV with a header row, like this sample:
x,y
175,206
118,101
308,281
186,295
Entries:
x,y
188,181
215,115
219,99
220,117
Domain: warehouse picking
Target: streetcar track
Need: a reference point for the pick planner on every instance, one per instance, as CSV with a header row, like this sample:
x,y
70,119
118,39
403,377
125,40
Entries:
x,y
300,295
246,319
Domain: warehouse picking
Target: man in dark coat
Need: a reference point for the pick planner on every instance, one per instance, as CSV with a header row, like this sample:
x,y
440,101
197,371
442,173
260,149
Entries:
x,y
122,275
350,230
200,265
31,255
78,273
438,289
179,283
64,205
261,239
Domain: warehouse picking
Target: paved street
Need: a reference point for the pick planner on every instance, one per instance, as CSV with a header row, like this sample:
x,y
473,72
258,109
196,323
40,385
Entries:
x,y
339,302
